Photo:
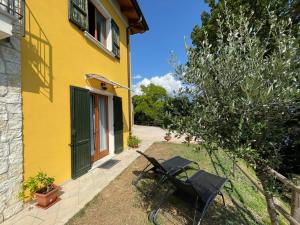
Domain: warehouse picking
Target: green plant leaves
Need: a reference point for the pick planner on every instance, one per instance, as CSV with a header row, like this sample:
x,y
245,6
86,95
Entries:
x,y
33,184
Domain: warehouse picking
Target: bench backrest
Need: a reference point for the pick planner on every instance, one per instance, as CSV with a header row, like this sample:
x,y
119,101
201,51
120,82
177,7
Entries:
x,y
153,161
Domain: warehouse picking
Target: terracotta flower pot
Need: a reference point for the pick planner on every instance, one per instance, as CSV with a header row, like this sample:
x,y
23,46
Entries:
x,y
44,200
134,146
188,138
167,137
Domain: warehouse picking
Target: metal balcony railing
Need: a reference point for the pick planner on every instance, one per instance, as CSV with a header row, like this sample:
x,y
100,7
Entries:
x,y
12,7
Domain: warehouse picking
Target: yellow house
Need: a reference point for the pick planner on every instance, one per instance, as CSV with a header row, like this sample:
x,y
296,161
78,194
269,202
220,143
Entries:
x,y
76,81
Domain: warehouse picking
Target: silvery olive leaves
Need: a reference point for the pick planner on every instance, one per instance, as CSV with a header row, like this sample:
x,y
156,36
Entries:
x,y
241,92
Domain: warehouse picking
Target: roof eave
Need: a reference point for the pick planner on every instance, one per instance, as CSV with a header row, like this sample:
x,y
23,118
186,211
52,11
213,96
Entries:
x,y
139,11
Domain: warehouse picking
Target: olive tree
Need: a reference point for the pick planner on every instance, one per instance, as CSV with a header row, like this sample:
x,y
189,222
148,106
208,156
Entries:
x,y
242,92
177,108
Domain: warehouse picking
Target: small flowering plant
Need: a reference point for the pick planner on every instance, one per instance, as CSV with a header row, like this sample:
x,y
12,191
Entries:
x,y
40,183
133,141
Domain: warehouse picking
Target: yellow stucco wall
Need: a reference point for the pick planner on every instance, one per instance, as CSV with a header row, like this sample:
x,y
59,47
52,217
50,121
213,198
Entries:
x,y
55,55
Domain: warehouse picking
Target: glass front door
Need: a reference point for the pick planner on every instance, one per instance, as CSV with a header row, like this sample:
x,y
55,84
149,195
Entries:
x,y
99,126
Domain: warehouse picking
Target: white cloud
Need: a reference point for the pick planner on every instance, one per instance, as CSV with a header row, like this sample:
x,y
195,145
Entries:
x,y
166,81
137,77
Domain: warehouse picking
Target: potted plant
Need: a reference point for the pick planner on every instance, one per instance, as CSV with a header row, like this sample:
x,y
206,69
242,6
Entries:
x,y
133,141
42,188
168,136
188,139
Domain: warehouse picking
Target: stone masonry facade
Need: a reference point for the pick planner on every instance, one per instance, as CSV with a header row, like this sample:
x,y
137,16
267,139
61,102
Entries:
x,y
11,145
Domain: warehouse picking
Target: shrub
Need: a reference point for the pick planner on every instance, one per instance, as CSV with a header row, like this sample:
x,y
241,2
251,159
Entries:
x,y
133,141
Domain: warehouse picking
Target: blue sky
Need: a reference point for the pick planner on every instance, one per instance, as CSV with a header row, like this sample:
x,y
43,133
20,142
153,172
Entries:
x,y
169,21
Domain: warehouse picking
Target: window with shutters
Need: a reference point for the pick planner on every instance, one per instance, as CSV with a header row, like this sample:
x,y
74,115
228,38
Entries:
x,y
97,24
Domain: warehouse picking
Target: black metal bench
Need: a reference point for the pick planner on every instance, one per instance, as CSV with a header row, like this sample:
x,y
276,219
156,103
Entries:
x,y
170,167
200,190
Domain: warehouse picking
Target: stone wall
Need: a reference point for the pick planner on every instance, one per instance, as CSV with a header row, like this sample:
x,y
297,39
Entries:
x,y
11,146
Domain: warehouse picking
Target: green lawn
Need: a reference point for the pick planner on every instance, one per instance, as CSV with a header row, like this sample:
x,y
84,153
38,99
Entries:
x,y
121,203
249,205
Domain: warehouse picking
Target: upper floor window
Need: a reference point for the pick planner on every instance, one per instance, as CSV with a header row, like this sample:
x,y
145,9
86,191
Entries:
x,y
94,19
97,24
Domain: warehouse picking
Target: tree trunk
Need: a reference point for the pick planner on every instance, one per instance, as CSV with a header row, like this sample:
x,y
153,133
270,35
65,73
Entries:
x,y
269,197
271,208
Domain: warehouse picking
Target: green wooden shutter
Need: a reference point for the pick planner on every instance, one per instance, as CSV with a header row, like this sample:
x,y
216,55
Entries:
x,y
78,13
80,131
118,124
115,39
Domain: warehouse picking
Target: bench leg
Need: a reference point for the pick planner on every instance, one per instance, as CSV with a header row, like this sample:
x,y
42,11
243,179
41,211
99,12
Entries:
x,y
197,215
154,213
141,175
220,193
157,185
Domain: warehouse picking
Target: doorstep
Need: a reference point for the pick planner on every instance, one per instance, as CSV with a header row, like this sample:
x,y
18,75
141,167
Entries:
x,y
101,161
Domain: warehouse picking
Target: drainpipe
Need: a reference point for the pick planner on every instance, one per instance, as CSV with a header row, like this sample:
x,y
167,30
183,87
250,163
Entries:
x,y
129,79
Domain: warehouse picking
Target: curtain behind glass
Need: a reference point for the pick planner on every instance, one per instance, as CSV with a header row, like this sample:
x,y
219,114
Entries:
x,y
103,123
